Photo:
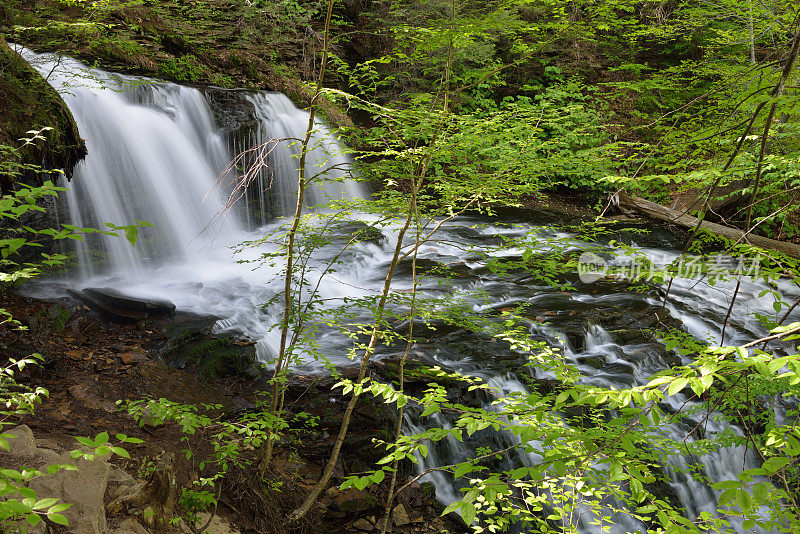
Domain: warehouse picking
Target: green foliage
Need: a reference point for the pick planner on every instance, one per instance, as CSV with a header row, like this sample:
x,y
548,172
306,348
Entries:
x,y
232,442
185,69
535,96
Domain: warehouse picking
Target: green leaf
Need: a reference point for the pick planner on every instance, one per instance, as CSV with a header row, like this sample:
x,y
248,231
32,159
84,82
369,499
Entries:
x,y
45,503
59,507
121,452
616,473
58,519
677,385
727,496
744,500
101,439
463,469
468,513
728,484
452,507
131,234
775,464
85,441
761,492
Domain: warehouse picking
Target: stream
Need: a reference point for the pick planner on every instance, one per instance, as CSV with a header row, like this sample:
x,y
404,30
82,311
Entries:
x,y
156,151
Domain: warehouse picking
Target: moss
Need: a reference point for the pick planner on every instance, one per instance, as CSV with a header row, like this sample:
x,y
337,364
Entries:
x,y
28,102
184,69
208,42
212,356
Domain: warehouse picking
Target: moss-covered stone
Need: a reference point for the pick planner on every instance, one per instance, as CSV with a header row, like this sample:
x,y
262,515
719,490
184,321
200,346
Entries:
x,y
28,102
191,344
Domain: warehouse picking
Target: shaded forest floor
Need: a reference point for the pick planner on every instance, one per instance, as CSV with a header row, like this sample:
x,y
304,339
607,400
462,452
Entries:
x,y
89,364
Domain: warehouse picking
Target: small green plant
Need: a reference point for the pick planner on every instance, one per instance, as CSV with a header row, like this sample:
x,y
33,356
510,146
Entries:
x,y
195,502
233,444
186,69
146,467
19,502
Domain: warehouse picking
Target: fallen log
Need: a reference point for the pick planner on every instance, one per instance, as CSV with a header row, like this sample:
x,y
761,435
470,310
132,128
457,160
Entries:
x,y
681,218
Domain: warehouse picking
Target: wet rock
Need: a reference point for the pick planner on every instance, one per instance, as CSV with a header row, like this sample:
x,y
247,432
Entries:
x,y
359,232
428,329
191,343
117,306
429,267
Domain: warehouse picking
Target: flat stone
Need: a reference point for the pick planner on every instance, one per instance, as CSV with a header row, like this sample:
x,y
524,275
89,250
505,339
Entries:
x,y
400,516
117,306
23,444
363,524
84,488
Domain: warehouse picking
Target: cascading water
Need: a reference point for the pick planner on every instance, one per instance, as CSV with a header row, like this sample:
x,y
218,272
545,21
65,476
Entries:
x,y
155,154
279,131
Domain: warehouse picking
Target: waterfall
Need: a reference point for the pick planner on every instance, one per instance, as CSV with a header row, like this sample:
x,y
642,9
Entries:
x,y
280,130
155,154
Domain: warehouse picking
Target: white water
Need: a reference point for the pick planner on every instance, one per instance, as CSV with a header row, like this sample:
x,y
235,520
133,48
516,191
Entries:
x,y
280,128
155,154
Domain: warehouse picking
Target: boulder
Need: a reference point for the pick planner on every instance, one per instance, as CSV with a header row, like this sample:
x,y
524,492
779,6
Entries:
x,y
353,501
22,444
84,488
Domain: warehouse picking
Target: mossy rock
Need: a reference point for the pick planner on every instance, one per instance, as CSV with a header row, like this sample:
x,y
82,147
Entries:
x,y
211,355
28,102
